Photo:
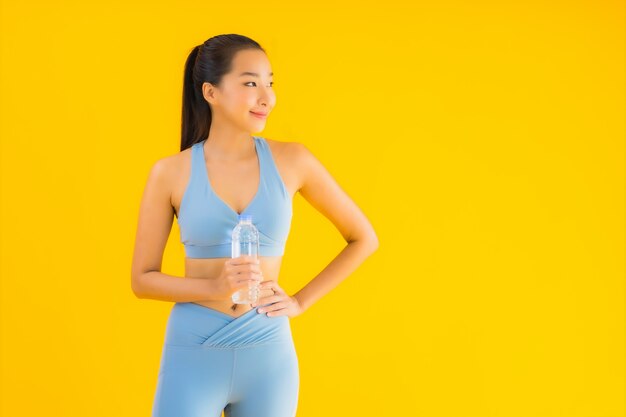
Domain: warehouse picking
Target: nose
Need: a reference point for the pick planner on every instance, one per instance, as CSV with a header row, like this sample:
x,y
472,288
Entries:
x,y
266,98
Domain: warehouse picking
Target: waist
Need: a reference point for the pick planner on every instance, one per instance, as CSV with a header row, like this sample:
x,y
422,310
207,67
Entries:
x,y
224,250
226,306
211,268
193,326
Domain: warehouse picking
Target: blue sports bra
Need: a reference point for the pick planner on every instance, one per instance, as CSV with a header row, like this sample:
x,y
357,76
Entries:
x,y
206,221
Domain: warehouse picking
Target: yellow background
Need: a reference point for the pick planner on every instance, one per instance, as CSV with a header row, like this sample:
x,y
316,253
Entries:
x,y
484,140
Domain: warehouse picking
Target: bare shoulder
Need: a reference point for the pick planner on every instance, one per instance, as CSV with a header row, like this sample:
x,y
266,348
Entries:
x,y
166,172
288,155
310,174
281,147
164,169
178,170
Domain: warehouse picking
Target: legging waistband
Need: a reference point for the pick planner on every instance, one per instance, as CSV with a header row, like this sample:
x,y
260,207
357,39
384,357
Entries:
x,y
193,326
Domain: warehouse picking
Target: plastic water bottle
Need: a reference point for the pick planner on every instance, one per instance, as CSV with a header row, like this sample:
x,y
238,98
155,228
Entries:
x,y
245,241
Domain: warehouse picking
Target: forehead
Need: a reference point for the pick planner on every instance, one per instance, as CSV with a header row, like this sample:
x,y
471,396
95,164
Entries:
x,y
251,61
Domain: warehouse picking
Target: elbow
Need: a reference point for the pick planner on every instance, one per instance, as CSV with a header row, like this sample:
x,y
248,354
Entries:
x,y
370,242
374,243
135,285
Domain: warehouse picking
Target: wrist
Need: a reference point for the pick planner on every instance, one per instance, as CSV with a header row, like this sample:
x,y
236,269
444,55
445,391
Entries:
x,y
298,298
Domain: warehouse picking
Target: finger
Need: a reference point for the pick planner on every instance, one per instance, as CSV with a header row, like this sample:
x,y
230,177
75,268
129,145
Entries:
x,y
248,259
244,259
250,268
273,285
278,291
245,272
245,284
255,277
265,292
268,300
262,296
246,267
276,313
272,307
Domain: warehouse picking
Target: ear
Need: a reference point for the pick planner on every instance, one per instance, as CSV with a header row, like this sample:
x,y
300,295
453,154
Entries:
x,y
208,92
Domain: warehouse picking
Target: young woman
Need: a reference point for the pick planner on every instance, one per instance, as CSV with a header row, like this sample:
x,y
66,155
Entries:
x,y
219,356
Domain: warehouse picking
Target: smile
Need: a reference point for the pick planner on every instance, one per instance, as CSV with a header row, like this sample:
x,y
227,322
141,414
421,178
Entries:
x,y
260,116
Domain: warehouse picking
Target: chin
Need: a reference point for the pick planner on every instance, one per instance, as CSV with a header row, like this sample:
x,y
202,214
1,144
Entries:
x,y
257,127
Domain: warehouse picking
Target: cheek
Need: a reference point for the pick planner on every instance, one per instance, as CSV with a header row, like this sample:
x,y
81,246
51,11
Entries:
x,y
242,100
235,96
238,106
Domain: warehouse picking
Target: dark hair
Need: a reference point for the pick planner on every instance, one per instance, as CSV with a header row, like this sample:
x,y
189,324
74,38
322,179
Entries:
x,y
207,63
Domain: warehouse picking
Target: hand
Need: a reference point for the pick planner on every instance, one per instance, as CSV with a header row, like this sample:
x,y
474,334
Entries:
x,y
282,304
238,273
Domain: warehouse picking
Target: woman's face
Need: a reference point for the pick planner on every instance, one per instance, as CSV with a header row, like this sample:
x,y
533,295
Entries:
x,y
247,88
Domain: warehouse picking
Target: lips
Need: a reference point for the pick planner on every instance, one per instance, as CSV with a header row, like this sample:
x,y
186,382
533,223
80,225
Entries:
x,y
259,113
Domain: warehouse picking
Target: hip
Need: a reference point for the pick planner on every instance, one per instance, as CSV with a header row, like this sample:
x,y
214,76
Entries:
x,y
194,326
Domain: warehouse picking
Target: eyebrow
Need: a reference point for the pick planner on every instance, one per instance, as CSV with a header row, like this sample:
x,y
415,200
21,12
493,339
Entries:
x,y
254,74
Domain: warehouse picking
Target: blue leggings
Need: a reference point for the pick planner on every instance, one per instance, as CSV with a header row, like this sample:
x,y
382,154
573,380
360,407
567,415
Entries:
x,y
211,362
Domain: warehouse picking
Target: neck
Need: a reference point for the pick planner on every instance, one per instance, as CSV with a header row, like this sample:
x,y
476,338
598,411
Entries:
x,y
231,147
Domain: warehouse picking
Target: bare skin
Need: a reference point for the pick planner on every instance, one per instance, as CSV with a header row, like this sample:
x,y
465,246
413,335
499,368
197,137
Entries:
x,y
226,183
233,171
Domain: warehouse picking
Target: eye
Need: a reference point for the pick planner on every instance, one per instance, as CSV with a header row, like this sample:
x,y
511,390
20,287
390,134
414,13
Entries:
x,y
272,83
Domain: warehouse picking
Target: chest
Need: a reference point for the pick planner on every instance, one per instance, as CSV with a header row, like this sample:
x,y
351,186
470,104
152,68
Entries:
x,y
237,184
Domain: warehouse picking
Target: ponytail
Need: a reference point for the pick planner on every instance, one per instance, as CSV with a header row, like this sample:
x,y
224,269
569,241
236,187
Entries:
x,y
196,117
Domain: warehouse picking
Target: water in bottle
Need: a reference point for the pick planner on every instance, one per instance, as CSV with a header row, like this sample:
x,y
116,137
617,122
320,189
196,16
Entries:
x,y
245,241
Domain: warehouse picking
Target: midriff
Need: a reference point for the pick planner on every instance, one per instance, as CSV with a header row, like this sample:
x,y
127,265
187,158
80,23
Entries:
x,y
210,268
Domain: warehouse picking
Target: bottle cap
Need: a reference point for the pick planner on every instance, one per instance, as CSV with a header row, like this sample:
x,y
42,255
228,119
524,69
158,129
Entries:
x,y
245,217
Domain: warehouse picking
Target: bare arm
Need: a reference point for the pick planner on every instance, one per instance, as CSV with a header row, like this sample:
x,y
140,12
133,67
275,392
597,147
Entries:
x,y
326,196
348,260
155,223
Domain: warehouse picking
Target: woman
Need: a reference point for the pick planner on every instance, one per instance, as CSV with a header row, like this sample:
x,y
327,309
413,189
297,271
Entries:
x,y
219,356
